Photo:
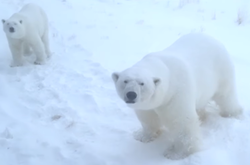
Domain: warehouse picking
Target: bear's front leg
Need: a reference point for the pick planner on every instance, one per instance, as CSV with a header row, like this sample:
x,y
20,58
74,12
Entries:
x,y
185,139
184,130
26,49
151,126
39,51
16,48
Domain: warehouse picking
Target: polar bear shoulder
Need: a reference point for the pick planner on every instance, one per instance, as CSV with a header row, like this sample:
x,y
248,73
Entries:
x,y
33,18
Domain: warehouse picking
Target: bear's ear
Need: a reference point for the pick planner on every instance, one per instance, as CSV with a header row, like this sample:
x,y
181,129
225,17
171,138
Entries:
x,y
115,76
21,21
157,81
3,21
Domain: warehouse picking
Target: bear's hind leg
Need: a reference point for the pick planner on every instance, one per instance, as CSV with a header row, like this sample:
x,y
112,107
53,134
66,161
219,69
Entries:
x,y
228,103
45,39
151,126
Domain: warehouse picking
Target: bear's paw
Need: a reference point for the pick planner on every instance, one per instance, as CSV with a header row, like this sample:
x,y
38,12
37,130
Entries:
x,y
146,137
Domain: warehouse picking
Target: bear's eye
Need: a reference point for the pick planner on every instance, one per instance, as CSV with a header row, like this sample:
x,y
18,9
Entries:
x,y
141,84
125,81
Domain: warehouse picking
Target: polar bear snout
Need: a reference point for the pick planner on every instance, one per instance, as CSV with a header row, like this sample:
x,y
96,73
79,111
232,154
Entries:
x,y
131,97
11,29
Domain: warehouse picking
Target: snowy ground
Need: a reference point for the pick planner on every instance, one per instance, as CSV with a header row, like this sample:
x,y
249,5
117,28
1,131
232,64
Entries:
x,y
67,112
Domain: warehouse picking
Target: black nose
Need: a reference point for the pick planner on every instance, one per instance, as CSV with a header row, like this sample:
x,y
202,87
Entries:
x,y
12,29
131,95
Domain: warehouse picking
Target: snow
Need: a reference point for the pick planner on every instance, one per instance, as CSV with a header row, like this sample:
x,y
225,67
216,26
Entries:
x,y
67,111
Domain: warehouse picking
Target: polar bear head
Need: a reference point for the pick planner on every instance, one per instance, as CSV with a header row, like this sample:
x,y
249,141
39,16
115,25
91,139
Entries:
x,y
136,89
14,28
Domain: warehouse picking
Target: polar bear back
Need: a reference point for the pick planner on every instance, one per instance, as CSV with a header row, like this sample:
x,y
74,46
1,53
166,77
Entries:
x,y
206,59
198,48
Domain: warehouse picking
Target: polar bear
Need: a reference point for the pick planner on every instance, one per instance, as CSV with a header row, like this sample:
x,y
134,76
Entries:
x,y
169,88
27,29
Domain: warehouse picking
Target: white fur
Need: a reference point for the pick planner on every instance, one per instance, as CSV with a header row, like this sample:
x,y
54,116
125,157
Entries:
x,y
30,26
179,82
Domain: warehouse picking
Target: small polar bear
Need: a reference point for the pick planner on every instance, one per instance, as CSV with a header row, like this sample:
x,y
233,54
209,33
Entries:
x,y
26,30
170,89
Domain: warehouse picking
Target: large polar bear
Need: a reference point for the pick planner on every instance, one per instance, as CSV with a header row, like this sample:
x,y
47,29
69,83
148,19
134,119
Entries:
x,y
170,87
27,29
